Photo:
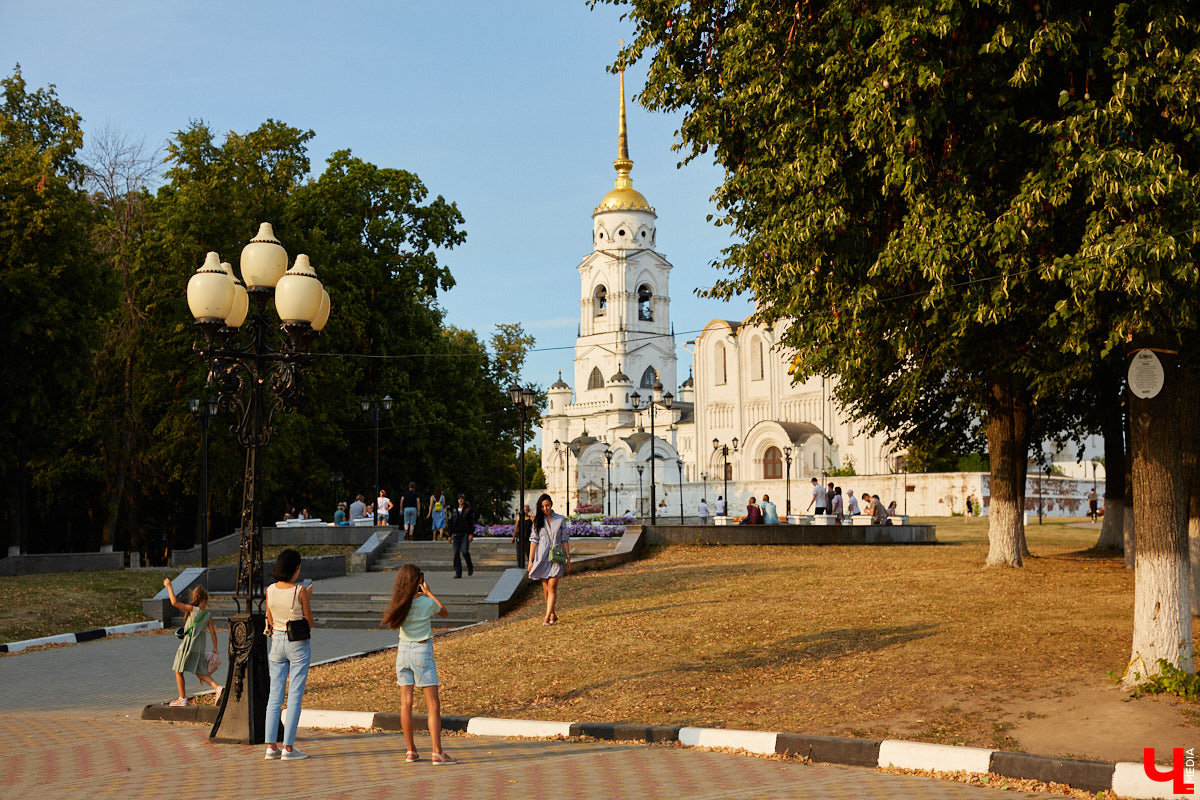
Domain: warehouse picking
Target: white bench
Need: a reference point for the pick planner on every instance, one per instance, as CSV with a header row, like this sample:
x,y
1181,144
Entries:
x,y
722,520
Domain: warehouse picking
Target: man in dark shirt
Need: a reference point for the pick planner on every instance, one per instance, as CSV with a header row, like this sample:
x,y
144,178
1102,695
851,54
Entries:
x,y
461,524
410,503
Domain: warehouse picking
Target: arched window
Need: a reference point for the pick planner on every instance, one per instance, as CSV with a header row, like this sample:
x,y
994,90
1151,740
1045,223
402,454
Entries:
x,y
595,380
600,301
719,364
772,464
648,378
756,360
644,296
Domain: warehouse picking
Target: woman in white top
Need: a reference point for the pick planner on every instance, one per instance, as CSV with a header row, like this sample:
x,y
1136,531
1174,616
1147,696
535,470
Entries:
x,y
287,661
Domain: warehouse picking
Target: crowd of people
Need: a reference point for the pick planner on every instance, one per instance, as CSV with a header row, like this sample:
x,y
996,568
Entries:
x,y
825,501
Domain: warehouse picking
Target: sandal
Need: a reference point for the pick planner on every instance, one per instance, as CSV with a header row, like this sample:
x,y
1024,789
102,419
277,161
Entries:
x,y
179,702
412,756
443,758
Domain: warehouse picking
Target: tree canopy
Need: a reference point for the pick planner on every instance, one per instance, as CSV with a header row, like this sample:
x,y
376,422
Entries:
x,y
96,411
933,196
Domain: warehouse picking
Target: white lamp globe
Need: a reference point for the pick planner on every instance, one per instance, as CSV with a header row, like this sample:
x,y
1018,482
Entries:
x,y
210,291
241,300
263,261
323,313
298,293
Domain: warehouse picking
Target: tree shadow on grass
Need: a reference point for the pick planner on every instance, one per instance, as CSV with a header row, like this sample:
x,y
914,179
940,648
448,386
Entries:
x,y
817,646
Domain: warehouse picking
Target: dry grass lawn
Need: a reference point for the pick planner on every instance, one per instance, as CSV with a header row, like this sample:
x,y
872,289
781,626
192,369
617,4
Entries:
x,y
65,602
919,642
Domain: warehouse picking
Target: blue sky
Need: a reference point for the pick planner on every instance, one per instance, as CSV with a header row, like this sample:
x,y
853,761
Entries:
x,y
505,108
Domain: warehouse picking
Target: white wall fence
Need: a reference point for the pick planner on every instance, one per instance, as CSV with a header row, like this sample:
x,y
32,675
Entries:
x,y
940,494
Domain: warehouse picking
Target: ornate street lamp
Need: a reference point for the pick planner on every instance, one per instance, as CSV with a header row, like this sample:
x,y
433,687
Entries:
x,y
203,411
787,457
255,380
608,454
522,398
725,450
640,470
679,464
665,399
375,411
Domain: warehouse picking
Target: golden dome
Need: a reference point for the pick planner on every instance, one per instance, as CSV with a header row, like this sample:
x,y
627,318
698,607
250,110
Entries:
x,y
620,199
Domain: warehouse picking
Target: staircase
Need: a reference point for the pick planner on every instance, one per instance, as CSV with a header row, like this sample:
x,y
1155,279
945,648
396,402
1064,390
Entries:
x,y
359,600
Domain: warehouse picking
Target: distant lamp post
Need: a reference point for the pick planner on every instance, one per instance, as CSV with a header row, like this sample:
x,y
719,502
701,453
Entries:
x,y
679,464
375,411
787,457
704,486
245,368
335,483
656,398
1095,461
608,454
205,411
522,398
725,450
640,470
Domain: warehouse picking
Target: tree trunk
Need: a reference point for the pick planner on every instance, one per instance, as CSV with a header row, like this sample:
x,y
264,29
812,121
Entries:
x,y
1194,550
1128,533
1162,620
1112,532
1008,447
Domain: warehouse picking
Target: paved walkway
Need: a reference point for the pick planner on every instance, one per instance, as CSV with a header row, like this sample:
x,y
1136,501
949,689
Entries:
x,y
73,755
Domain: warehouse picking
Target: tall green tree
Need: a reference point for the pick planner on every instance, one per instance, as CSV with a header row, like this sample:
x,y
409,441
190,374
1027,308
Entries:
x,y
51,293
947,201
876,156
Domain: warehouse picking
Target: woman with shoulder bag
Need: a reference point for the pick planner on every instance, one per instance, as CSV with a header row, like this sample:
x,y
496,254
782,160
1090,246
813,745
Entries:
x,y
549,553
289,622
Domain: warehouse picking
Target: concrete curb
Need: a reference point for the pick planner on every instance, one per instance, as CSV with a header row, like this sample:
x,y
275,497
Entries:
x,y
82,636
1126,779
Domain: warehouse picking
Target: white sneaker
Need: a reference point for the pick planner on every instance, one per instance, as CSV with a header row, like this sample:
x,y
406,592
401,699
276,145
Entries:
x,y
273,754
293,755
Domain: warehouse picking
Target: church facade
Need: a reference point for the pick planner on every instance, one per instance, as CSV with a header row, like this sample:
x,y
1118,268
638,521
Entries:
x,y
737,421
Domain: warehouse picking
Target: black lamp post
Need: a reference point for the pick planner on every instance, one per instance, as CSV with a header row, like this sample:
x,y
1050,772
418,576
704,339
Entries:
x,y
725,450
335,483
255,379
679,464
787,457
640,470
704,486
375,411
665,399
608,454
522,398
204,411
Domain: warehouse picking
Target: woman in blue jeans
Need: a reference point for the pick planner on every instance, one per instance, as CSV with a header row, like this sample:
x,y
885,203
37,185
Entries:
x,y
287,661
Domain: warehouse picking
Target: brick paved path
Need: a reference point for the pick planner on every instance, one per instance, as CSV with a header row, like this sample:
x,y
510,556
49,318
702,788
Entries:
x,y
54,754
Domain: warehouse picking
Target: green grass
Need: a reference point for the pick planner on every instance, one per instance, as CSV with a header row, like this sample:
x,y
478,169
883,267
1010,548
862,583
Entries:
x,y
64,602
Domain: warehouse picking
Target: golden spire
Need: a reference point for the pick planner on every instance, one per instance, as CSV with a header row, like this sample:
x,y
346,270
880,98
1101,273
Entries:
x,y
623,164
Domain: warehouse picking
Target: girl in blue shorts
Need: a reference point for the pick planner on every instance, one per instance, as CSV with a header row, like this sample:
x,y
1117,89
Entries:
x,y
410,613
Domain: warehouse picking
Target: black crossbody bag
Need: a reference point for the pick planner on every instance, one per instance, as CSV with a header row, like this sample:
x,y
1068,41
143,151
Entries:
x,y
298,630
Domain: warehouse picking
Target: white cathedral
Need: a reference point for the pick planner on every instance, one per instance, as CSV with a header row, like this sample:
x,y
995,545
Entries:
x,y
738,426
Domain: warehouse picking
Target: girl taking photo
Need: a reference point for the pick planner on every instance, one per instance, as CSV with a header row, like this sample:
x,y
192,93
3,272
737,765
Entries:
x,y
411,613
549,553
